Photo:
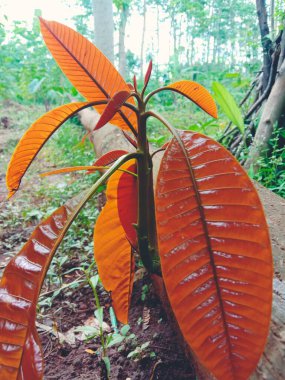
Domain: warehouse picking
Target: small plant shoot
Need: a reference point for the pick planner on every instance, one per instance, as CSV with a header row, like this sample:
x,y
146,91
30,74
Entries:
x,y
200,224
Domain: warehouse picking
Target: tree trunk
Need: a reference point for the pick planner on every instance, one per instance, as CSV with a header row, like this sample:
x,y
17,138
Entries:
x,y
274,109
124,13
272,11
272,363
265,40
104,27
143,38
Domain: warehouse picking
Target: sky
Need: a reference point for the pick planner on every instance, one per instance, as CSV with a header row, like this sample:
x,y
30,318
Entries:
x,y
62,11
24,10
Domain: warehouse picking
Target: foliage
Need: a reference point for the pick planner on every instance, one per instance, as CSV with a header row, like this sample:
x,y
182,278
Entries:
x,y
228,105
27,73
203,225
272,164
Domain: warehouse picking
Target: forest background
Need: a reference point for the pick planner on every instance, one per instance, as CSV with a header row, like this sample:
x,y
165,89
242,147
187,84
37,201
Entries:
x,y
205,41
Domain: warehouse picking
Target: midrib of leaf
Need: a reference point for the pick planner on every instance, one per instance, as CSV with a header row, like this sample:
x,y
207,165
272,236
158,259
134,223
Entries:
x,y
77,61
68,116
204,225
208,241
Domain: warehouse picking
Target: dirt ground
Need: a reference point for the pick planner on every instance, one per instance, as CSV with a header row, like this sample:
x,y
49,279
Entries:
x,y
160,360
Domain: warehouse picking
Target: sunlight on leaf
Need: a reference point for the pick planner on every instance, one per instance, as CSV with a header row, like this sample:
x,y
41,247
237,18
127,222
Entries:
x,y
215,255
228,105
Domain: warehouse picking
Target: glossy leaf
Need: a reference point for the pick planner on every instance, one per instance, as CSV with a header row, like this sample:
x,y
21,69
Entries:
x,y
196,93
109,157
128,203
112,107
215,255
112,250
20,349
87,68
34,139
228,105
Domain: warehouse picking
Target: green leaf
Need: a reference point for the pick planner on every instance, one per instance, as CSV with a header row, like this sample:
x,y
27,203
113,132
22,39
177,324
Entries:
x,y
125,329
113,319
99,315
88,330
94,281
106,360
228,105
116,339
145,345
35,85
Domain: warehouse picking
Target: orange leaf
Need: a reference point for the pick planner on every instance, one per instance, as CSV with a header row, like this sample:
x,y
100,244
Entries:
x,y
91,169
20,348
197,93
215,255
113,251
87,68
34,139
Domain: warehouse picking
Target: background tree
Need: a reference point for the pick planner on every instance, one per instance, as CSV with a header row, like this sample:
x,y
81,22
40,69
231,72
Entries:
x,y
104,27
123,7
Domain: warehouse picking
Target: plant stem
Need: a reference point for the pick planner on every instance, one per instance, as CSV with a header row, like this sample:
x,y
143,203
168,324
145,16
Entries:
x,y
146,212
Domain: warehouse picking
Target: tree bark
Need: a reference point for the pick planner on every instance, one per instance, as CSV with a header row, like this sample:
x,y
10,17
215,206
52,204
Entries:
x,y
265,40
143,38
272,363
274,109
124,13
104,27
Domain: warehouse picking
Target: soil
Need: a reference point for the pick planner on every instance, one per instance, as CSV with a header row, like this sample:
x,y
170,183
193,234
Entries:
x,y
160,360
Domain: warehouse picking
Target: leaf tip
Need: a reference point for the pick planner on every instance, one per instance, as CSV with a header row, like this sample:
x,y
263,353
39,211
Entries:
x,y
10,194
135,83
148,73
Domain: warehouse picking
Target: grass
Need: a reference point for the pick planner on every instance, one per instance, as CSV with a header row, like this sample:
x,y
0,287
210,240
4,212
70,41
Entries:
x,y
38,197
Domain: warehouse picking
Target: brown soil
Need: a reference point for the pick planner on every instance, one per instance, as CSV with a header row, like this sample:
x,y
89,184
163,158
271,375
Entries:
x,y
160,360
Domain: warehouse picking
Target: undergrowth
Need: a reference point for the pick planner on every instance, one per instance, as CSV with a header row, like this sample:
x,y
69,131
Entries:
x,y
271,173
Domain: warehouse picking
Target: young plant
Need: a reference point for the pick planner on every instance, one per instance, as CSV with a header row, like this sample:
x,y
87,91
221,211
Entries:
x,y
203,227
107,339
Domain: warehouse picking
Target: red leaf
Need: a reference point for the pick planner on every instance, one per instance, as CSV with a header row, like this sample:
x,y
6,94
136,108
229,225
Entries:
x,y
135,83
112,107
20,348
148,74
128,203
109,158
215,255
130,140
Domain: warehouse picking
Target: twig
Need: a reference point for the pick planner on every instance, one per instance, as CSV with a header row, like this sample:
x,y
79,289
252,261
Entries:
x,y
270,83
63,287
